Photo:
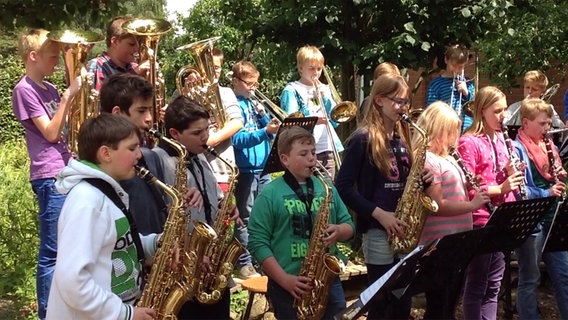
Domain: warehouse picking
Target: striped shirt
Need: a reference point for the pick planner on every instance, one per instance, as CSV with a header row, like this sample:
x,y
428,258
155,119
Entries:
x,y
103,67
449,175
441,88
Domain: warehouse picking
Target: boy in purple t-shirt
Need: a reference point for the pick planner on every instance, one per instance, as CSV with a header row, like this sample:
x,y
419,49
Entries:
x,y
42,113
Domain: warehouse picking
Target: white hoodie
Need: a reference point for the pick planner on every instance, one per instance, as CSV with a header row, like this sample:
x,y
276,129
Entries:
x,y
97,275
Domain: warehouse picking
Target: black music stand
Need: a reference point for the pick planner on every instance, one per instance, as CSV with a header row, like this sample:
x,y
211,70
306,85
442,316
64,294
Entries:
x,y
557,237
384,285
273,163
445,264
513,222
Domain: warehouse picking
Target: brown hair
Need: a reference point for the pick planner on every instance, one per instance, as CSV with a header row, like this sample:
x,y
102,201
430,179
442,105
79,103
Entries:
x,y
537,77
114,29
292,134
104,130
457,53
385,67
373,123
244,69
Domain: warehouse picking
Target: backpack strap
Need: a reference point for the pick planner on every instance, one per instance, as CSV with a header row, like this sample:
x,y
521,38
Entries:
x,y
109,191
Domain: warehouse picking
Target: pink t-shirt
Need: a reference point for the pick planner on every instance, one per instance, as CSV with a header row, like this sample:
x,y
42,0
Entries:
x,y
448,174
487,159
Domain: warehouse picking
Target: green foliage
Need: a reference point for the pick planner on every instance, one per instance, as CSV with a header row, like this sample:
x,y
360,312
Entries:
x,y
535,39
18,223
239,300
54,14
13,70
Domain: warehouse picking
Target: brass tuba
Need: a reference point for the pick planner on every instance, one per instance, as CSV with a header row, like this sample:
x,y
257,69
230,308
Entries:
x,y
413,207
148,32
75,47
205,88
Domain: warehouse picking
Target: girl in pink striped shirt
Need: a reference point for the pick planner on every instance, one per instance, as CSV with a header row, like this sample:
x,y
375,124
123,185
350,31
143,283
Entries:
x,y
448,189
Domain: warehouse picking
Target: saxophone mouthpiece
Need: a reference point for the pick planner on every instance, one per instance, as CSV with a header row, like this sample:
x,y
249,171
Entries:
x,y
155,132
405,117
210,149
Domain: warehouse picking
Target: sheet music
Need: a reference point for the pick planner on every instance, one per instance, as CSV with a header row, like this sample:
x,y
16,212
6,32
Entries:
x,y
368,293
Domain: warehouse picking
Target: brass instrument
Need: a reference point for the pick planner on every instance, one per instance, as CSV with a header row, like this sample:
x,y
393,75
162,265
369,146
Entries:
x,y
550,92
75,47
149,32
204,89
275,110
344,111
515,161
413,207
225,250
469,177
168,289
337,159
318,265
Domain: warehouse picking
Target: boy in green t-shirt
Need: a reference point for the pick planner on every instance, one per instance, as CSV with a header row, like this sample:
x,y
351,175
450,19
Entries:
x,y
281,224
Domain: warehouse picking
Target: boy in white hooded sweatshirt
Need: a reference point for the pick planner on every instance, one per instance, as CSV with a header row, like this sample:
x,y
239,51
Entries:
x,y
98,273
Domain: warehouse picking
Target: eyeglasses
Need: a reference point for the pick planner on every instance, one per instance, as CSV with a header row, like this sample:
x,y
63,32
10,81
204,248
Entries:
x,y
400,102
250,84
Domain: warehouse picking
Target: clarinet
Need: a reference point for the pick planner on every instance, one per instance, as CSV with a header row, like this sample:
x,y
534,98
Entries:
x,y
469,176
515,161
551,160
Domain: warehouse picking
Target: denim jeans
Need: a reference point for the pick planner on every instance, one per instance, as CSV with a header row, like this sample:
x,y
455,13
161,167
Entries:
x,y
248,187
282,301
50,202
482,284
529,255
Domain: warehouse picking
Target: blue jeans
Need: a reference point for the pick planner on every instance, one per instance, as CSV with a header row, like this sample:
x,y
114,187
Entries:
x,y
50,202
282,301
529,255
248,187
483,281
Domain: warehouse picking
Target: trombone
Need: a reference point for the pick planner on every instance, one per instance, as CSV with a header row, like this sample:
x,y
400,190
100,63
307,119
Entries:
x,y
275,110
344,111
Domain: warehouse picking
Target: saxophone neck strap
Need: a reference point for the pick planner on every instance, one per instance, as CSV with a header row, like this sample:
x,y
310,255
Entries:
x,y
109,191
306,198
201,186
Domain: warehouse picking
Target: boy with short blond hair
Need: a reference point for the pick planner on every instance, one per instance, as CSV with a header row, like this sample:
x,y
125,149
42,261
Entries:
x,y
121,54
282,221
99,271
42,112
301,96
535,83
541,181
252,147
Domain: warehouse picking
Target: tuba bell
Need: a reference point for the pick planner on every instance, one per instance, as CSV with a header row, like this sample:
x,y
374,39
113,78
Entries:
x,y
205,88
75,47
148,32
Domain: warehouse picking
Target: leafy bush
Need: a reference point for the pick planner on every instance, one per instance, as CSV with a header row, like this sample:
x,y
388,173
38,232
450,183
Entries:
x,y
18,224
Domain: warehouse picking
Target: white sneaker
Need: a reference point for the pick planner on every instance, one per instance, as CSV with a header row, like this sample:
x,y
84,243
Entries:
x,y
247,271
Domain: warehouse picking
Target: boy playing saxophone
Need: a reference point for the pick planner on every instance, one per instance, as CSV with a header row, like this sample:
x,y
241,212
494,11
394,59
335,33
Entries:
x,y
282,221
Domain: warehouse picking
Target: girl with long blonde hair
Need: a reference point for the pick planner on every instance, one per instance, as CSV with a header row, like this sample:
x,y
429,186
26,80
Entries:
x,y
484,153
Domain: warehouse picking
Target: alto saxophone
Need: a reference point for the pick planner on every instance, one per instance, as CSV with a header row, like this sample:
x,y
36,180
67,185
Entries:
x,y
167,288
413,207
225,250
318,265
